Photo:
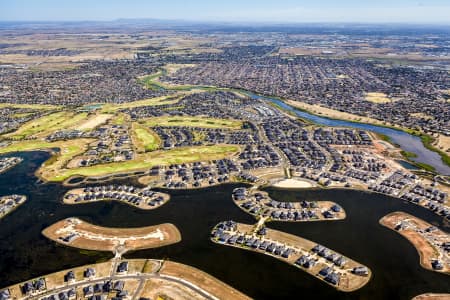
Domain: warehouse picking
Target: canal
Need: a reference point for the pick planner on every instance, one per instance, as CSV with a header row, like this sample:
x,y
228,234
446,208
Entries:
x,y
25,253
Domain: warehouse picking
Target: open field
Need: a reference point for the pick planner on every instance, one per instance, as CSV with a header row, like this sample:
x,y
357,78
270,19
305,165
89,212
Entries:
x,y
30,106
150,159
87,46
192,122
427,242
163,100
332,113
45,125
91,237
443,143
158,288
201,279
376,97
172,68
144,139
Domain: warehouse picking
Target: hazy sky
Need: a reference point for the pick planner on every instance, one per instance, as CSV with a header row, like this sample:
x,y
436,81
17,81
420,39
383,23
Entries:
x,y
423,11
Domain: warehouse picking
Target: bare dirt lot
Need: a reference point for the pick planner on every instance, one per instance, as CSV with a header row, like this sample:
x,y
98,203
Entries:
x,y
92,237
414,230
162,289
430,296
202,280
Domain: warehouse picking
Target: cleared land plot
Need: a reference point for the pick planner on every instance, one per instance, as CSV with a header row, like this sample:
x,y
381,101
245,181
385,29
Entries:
x,y
150,159
202,280
193,122
431,296
91,237
295,183
376,97
144,139
94,121
159,288
414,229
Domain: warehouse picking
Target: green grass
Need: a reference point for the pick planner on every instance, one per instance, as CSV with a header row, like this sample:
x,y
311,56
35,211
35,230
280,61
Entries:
x,y
425,166
427,142
150,159
27,146
426,139
151,82
145,140
22,115
30,106
47,124
68,150
118,120
408,154
164,100
192,122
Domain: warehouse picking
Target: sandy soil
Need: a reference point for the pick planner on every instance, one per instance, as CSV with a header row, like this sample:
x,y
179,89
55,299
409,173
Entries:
x,y
95,121
443,143
430,296
202,280
93,237
155,288
331,113
426,250
294,183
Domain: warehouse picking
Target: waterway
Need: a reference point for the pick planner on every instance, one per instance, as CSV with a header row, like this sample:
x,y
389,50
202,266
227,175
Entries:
x,y
406,141
25,253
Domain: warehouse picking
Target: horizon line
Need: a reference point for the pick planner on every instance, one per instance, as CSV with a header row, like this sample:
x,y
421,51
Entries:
x,y
231,22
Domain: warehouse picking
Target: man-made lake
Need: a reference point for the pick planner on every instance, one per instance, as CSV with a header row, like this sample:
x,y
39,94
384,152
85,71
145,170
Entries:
x,y
406,141
25,253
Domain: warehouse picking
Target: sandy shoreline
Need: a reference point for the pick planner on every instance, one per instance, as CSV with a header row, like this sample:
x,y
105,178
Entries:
x,y
294,183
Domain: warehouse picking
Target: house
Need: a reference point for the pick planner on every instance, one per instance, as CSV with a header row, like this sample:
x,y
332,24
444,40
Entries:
x,y
89,272
437,265
362,271
333,278
325,271
88,290
122,267
5,295
39,284
27,288
69,276
119,285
